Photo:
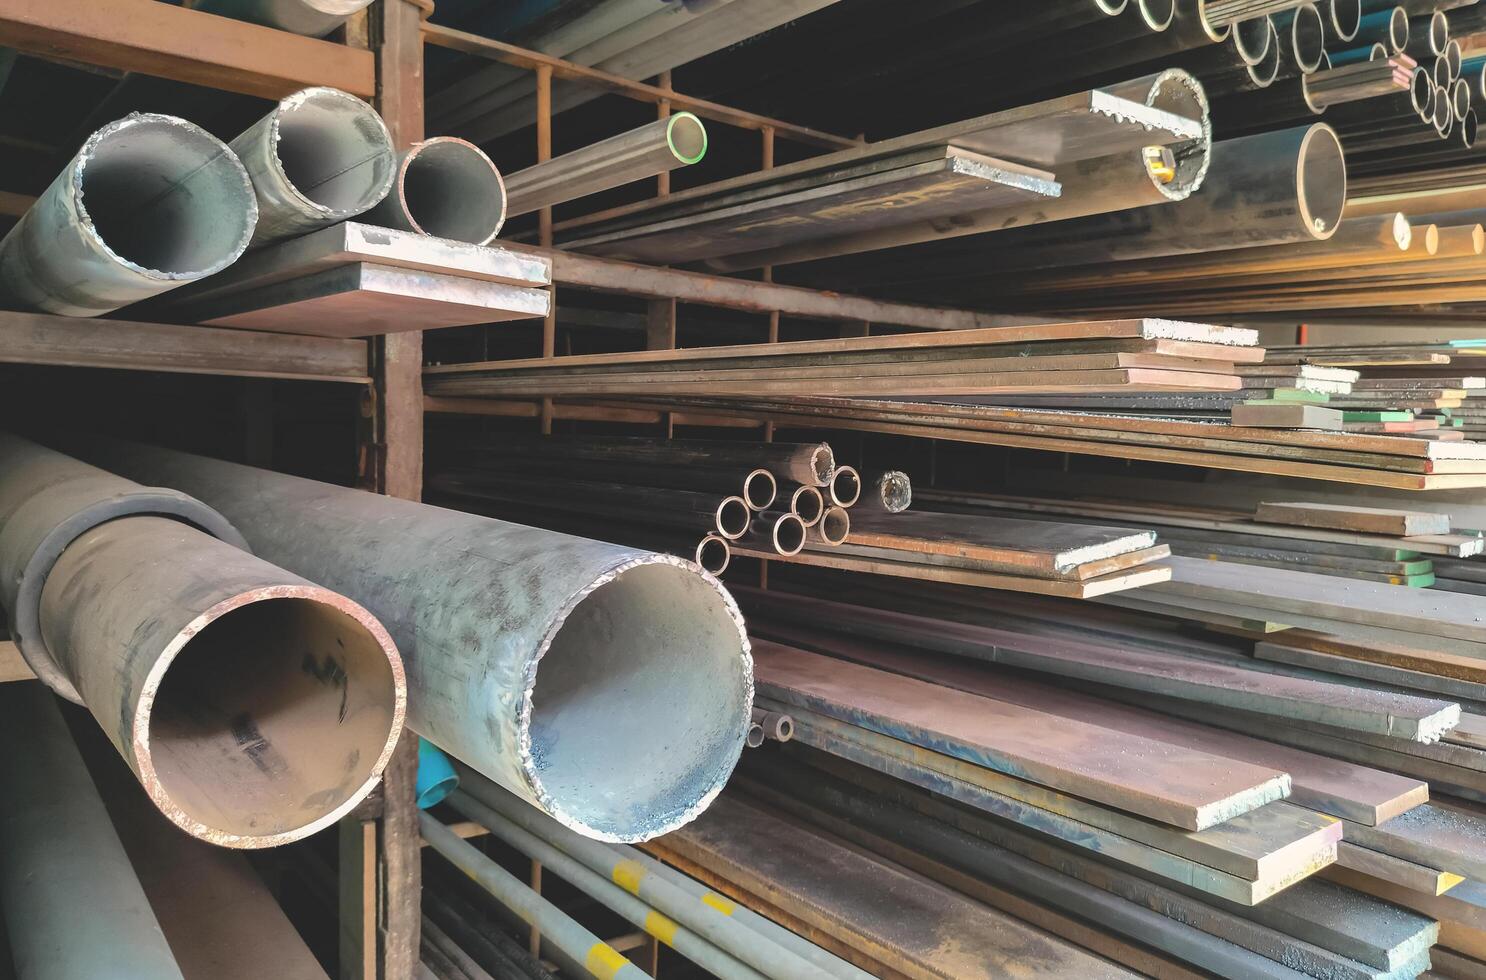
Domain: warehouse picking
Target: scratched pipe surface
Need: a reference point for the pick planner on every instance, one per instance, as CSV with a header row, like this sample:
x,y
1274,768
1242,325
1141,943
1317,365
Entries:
x,y
149,203
254,707
319,157
72,903
608,686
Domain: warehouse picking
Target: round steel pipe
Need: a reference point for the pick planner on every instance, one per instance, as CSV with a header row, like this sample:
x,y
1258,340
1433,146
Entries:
x,y
256,708
447,188
776,725
319,157
846,486
834,527
1157,15
1387,27
678,140
733,516
713,554
760,488
1344,18
62,866
1253,39
783,531
542,660
1305,33
807,503
311,18
149,203
755,735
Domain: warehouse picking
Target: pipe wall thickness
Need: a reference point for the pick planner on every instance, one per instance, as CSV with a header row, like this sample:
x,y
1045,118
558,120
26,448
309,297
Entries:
x,y
320,156
72,902
149,203
608,686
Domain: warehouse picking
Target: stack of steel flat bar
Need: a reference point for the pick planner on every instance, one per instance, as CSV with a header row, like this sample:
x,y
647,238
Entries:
x,y
1117,355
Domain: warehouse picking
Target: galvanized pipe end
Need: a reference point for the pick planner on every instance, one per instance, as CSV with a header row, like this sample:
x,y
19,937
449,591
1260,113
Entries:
x,y
1179,92
893,491
256,708
149,203
447,188
636,703
760,489
1321,180
846,486
835,526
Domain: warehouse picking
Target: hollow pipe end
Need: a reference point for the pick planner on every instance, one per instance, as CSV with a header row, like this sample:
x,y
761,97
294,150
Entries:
x,y
143,739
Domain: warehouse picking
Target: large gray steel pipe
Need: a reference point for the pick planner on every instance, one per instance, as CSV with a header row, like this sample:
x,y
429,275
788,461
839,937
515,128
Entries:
x,y
72,904
149,203
319,157
254,707
608,686
447,188
676,141
312,18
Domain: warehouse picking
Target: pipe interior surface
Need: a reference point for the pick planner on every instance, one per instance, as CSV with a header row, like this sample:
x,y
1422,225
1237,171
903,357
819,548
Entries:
x,y
1345,18
334,150
1308,37
835,525
1398,28
281,701
1157,14
1321,176
451,190
789,535
713,554
733,517
1267,68
1253,39
687,137
846,486
656,633
760,488
808,504
167,197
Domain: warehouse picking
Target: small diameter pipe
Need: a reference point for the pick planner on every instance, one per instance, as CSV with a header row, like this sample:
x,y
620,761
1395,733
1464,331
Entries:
x,y
583,949
1343,18
149,203
1254,39
319,157
1305,31
784,532
679,140
713,554
62,865
612,893
846,486
755,735
733,517
806,503
614,863
760,489
311,18
1157,14
776,725
447,188
834,527
254,707
1387,27
541,659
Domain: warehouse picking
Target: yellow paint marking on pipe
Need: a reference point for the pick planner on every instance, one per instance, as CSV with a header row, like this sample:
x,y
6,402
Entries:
x,y
660,927
627,874
719,903
1448,881
603,961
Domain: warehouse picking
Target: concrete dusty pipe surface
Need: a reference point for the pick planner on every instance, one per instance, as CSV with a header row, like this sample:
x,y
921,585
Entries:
x,y
149,203
609,686
255,707
320,156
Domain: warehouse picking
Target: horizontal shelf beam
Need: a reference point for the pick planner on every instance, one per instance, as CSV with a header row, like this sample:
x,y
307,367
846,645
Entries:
x,y
509,54
40,338
185,45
